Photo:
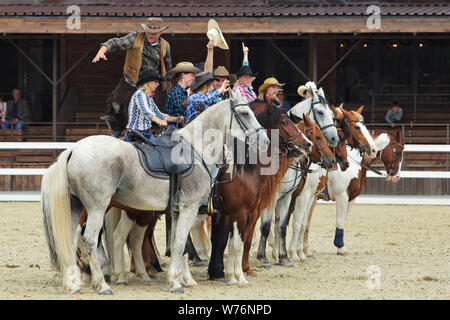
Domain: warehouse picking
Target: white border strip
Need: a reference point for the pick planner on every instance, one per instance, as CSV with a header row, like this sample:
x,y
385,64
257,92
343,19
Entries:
x,y
34,196
36,145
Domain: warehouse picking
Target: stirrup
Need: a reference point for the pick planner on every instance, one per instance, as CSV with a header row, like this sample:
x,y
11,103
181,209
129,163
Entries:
x,y
179,198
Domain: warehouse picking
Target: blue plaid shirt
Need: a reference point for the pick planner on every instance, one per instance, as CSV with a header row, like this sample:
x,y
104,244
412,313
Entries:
x,y
198,101
141,110
175,99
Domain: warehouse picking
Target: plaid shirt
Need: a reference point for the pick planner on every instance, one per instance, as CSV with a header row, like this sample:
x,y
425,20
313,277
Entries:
x,y
198,101
247,93
141,110
175,99
150,54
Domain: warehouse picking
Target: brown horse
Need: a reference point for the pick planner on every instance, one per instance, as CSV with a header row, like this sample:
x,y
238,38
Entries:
x,y
243,199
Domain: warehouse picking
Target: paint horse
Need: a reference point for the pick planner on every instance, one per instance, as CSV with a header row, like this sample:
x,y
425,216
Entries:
x,y
344,187
98,169
243,198
305,199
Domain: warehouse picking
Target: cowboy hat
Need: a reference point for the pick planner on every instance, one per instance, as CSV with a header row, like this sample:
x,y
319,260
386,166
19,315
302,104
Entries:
x,y
153,25
246,70
310,85
149,75
200,79
185,67
221,71
269,82
215,34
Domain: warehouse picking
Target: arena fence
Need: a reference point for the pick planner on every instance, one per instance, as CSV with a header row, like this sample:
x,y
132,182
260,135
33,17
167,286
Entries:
x,y
369,199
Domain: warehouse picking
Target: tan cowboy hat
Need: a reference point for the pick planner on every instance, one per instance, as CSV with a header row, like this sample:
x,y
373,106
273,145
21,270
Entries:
x,y
310,85
153,25
185,67
267,83
221,71
215,34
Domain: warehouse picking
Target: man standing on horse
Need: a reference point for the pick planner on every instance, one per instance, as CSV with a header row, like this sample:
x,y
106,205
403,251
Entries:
x,y
145,50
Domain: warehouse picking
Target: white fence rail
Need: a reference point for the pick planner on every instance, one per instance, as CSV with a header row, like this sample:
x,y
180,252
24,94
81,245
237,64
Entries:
x,y
34,196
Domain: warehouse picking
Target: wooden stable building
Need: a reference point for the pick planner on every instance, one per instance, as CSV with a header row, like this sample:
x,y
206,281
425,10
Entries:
x,y
335,43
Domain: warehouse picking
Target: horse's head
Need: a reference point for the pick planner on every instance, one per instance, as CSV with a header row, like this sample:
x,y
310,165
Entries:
x,y
293,142
321,152
318,109
358,136
243,123
392,156
323,116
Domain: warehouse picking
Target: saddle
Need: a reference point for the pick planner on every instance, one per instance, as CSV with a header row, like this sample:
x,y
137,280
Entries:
x,y
165,157
158,156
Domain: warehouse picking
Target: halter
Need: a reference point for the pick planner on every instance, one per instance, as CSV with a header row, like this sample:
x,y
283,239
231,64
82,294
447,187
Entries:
x,y
239,119
322,100
394,151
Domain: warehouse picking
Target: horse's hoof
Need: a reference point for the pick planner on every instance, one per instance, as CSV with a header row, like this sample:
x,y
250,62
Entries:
x,y
122,283
177,290
107,292
199,264
266,265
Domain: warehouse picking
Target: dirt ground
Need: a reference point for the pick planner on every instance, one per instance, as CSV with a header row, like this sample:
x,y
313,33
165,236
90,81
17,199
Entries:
x,y
408,245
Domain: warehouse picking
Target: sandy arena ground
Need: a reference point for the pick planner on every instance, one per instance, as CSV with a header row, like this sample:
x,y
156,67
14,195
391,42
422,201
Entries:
x,y
409,244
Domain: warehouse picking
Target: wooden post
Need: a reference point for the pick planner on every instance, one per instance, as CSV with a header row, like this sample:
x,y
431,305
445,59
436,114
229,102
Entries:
x,y
54,88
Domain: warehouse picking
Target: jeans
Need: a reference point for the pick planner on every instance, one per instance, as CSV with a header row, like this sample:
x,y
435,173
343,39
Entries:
x,y
146,134
17,126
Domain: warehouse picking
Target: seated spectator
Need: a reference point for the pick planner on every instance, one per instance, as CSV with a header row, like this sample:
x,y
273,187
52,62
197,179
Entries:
x,y
17,112
394,114
283,102
2,110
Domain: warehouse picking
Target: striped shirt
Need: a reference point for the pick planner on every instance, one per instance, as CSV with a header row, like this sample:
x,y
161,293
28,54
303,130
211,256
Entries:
x,y
141,110
198,102
246,92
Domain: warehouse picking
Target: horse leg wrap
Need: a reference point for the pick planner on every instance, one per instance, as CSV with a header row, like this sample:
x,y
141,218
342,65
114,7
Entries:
x,y
339,238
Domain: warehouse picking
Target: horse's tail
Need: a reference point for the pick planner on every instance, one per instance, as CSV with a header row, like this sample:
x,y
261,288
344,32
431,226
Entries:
x,y
55,206
112,219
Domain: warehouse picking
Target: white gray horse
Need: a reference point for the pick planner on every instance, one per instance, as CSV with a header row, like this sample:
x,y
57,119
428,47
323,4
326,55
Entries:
x,y
98,169
320,112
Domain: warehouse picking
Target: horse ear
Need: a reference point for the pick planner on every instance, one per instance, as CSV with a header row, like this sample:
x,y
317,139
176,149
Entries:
x,y
335,111
307,119
341,106
360,109
321,92
294,118
230,93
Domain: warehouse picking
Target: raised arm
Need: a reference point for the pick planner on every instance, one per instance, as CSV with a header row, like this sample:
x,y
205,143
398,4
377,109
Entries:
x,y
209,57
245,52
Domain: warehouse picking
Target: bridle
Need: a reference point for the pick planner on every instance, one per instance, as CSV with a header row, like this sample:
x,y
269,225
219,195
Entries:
x,y
394,152
247,131
322,100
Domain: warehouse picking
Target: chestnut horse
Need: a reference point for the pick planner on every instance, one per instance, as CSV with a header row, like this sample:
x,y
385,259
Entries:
x,y
243,199
344,187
